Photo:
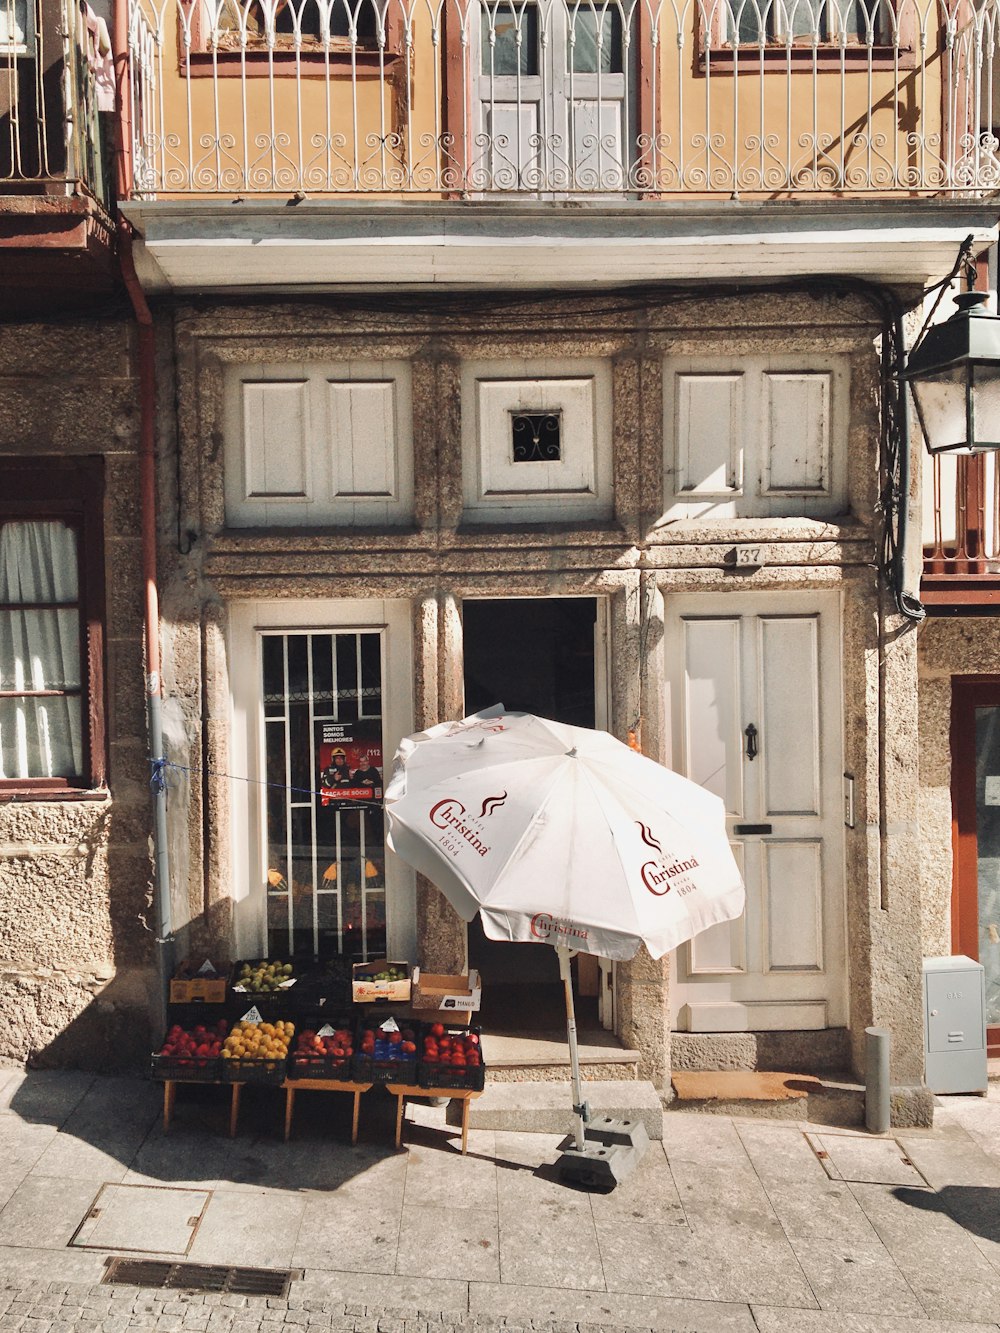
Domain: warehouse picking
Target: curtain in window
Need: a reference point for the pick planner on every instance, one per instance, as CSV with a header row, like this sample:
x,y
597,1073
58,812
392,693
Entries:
x,y
39,650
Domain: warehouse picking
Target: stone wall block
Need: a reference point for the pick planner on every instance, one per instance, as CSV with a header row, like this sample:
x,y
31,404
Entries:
x,y
55,905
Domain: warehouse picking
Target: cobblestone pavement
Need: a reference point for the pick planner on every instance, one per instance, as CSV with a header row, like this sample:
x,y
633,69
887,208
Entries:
x,y
58,1307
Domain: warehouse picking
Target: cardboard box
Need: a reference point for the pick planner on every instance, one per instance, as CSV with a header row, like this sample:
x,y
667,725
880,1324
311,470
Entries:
x,y
365,989
194,982
454,994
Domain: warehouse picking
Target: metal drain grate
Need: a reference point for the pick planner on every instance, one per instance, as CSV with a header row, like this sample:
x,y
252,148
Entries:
x,y
199,1277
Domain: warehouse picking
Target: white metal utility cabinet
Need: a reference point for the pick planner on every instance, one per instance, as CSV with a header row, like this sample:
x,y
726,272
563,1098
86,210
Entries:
x,y
955,1024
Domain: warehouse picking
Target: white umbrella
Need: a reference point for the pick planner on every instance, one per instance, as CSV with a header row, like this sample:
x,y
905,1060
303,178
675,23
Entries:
x,y
562,835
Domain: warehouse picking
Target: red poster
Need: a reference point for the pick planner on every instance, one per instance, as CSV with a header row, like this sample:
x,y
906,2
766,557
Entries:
x,y
349,756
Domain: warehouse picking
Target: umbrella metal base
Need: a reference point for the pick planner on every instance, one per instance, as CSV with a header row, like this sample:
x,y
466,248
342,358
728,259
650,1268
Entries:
x,y
612,1150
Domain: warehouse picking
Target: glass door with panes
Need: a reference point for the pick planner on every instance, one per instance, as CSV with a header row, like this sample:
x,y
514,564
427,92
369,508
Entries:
x,y
322,695
975,756
555,88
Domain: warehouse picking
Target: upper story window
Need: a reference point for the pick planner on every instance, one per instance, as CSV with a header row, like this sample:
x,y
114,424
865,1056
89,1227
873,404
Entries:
x,y
51,631
810,34
282,29
764,22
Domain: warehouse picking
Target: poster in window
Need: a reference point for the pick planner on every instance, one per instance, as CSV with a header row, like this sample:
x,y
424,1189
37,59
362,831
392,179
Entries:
x,y
349,755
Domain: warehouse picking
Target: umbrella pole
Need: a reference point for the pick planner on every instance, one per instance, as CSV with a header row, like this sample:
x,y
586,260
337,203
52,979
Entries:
x,y
580,1107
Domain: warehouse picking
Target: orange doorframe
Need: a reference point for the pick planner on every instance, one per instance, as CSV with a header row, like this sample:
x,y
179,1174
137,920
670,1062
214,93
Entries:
x,y
967,694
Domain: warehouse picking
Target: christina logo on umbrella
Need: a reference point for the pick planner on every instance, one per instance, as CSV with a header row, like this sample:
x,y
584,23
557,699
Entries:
x,y
658,878
452,814
546,927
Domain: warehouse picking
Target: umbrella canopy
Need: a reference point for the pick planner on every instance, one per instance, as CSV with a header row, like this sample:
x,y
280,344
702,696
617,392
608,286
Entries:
x,y
562,835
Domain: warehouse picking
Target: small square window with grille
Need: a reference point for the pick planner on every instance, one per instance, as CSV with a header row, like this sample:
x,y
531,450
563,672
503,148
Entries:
x,y
536,437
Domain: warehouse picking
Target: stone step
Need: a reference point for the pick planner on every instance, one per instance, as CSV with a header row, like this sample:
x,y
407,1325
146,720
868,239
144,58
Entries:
x,y
547,1107
544,1058
825,1099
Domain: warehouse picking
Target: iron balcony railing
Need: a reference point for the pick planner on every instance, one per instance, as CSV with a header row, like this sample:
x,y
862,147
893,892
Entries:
x,y
961,528
56,98
551,98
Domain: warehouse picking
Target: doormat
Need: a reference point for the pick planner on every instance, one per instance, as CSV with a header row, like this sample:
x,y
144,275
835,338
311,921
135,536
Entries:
x,y
151,1219
741,1085
199,1277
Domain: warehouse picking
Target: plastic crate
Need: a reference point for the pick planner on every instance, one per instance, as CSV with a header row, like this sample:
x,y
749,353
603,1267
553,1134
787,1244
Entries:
x,y
271,1069
397,1068
369,1069
322,1065
273,1004
442,1073
186,1069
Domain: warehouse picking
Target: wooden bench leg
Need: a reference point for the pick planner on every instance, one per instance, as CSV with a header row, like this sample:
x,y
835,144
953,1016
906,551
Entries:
x,y
354,1123
169,1093
234,1109
289,1107
466,1103
400,1101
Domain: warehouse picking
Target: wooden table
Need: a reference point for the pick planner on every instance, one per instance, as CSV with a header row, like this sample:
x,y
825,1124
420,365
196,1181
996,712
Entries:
x,y
403,1090
292,1085
170,1096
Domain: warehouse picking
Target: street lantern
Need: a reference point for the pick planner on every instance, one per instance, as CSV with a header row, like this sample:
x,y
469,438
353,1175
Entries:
x,y
954,372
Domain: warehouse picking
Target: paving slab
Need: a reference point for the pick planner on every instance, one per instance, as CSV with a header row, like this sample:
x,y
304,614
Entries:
x,y
439,1175
184,1158
667,1261
950,1294
521,1305
346,1232
45,1211
858,1276
649,1194
440,1241
248,1229
729,1197
917,1230
25,1264
44,1096
550,1243
378,1289
810,1321
701,1138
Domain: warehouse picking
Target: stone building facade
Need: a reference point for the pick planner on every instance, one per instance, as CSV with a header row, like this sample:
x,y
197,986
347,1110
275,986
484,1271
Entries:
x,y
662,577
76,963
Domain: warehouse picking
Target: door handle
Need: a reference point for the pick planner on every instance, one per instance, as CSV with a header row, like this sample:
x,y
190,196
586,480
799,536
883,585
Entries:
x,y
752,747
752,828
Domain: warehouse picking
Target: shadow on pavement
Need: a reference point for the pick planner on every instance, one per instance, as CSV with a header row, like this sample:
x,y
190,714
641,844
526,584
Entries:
x,y
974,1207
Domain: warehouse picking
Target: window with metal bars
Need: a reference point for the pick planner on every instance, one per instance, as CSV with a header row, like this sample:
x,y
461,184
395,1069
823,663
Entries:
x,y
325,828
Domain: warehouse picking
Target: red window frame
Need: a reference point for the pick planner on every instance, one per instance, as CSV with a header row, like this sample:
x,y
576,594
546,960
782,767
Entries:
x,y
311,61
70,490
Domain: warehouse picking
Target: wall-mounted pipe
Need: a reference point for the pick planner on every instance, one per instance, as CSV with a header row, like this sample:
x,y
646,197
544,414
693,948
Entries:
x,y
146,368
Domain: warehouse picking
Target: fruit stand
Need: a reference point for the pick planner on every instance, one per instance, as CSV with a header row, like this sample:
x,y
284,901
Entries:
x,y
274,1027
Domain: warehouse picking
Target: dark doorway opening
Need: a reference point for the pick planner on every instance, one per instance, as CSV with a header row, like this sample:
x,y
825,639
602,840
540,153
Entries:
x,y
533,655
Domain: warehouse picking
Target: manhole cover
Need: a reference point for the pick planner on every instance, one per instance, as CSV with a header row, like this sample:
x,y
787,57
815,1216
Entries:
x,y
200,1277
151,1219
862,1161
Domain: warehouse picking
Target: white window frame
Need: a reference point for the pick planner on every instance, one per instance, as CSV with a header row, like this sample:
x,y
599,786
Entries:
x,y
321,505
535,503
750,497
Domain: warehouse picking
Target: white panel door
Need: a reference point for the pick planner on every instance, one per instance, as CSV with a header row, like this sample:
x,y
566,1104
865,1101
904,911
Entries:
x,y
755,713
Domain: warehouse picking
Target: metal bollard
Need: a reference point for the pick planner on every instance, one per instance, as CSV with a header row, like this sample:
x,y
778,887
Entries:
x,y
877,1080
